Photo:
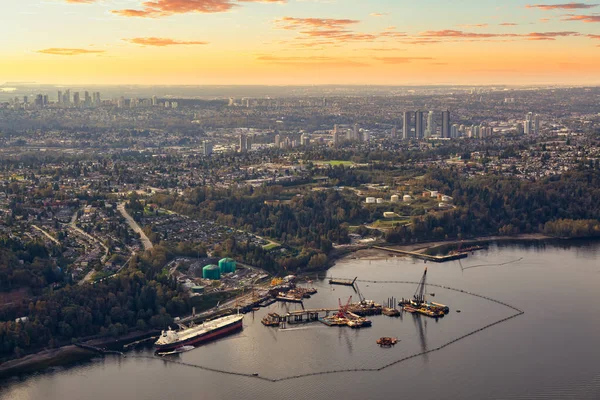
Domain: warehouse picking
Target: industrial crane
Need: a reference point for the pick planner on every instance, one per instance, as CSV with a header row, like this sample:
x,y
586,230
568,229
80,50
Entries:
x,y
343,308
420,292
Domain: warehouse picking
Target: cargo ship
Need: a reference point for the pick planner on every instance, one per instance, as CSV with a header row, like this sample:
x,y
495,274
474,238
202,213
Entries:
x,y
171,340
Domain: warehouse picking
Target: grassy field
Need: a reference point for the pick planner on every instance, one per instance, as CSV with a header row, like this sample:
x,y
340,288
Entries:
x,y
270,246
388,223
334,162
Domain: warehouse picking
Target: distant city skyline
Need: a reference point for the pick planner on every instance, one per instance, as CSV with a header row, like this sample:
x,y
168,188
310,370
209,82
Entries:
x,y
293,42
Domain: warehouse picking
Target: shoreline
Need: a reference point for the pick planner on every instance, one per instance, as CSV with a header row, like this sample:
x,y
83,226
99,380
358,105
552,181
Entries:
x,y
70,354
365,252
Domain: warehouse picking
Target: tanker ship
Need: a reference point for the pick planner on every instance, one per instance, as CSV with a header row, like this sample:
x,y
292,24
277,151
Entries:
x,y
171,340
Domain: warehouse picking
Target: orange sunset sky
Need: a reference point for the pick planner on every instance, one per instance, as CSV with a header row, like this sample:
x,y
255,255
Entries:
x,y
278,42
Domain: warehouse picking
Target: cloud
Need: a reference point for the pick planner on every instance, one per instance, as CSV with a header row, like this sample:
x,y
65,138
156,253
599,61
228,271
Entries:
x,y
60,51
163,8
564,6
311,60
467,26
325,23
450,33
401,60
461,35
81,1
378,14
161,42
549,35
584,18
324,31
508,24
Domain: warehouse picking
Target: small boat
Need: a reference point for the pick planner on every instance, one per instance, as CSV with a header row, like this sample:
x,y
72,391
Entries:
x,y
457,310
255,374
387,341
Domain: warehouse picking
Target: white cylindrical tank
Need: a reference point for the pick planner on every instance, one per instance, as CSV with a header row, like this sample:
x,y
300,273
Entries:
x,y
370,200
395,198
406,198
447,199
434,193
379,200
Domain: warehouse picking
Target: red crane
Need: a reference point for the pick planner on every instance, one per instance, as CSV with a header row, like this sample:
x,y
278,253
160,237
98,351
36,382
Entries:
x,y
343,308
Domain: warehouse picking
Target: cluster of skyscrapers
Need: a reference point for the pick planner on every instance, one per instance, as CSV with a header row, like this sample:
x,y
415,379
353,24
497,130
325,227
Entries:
x,y
415,126
532,124
351,135
88,100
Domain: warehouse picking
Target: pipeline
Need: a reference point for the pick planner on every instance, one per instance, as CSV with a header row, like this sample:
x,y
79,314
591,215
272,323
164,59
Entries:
x,y
492,265
518,312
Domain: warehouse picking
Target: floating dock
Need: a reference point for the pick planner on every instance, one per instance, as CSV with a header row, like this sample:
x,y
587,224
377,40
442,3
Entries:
x,y
426,257
345,282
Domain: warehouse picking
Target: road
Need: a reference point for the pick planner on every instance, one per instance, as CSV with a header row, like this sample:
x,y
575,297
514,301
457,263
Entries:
x,y
136,228
73,225
49,236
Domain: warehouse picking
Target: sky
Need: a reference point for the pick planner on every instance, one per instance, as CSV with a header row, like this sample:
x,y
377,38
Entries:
x,y
300,42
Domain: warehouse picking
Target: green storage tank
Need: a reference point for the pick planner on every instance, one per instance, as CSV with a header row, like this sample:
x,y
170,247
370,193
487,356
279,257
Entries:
x,y
227,265
211,272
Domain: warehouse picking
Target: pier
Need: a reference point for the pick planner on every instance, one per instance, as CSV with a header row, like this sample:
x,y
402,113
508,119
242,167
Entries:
x,y
426,257
344,282
297,317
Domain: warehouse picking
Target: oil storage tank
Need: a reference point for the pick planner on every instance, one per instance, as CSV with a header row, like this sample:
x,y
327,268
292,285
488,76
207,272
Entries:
x,y
212,272
227,265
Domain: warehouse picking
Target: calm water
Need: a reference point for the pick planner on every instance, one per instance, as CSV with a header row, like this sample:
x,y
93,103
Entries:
x,y
552,351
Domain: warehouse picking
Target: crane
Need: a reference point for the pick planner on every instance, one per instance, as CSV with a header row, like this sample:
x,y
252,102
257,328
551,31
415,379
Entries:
x,y
343,308
360,296
420,292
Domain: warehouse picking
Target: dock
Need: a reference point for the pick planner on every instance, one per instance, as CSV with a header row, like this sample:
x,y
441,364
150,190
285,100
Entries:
x,y
345,282
297,317
426,257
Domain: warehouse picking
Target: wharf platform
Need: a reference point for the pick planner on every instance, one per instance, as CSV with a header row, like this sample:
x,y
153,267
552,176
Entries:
x,y
426,257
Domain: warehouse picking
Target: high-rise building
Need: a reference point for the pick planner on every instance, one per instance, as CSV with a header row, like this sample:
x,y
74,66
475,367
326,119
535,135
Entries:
x,y
528,124
76,99
446,124
25,100
231,102
419,125
431,128
394,132
67,98
336,136
154,101
87,99
97,101
454,131
355,133
536,124
243,143
406,125
60,97
207,148
305,139
277,141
